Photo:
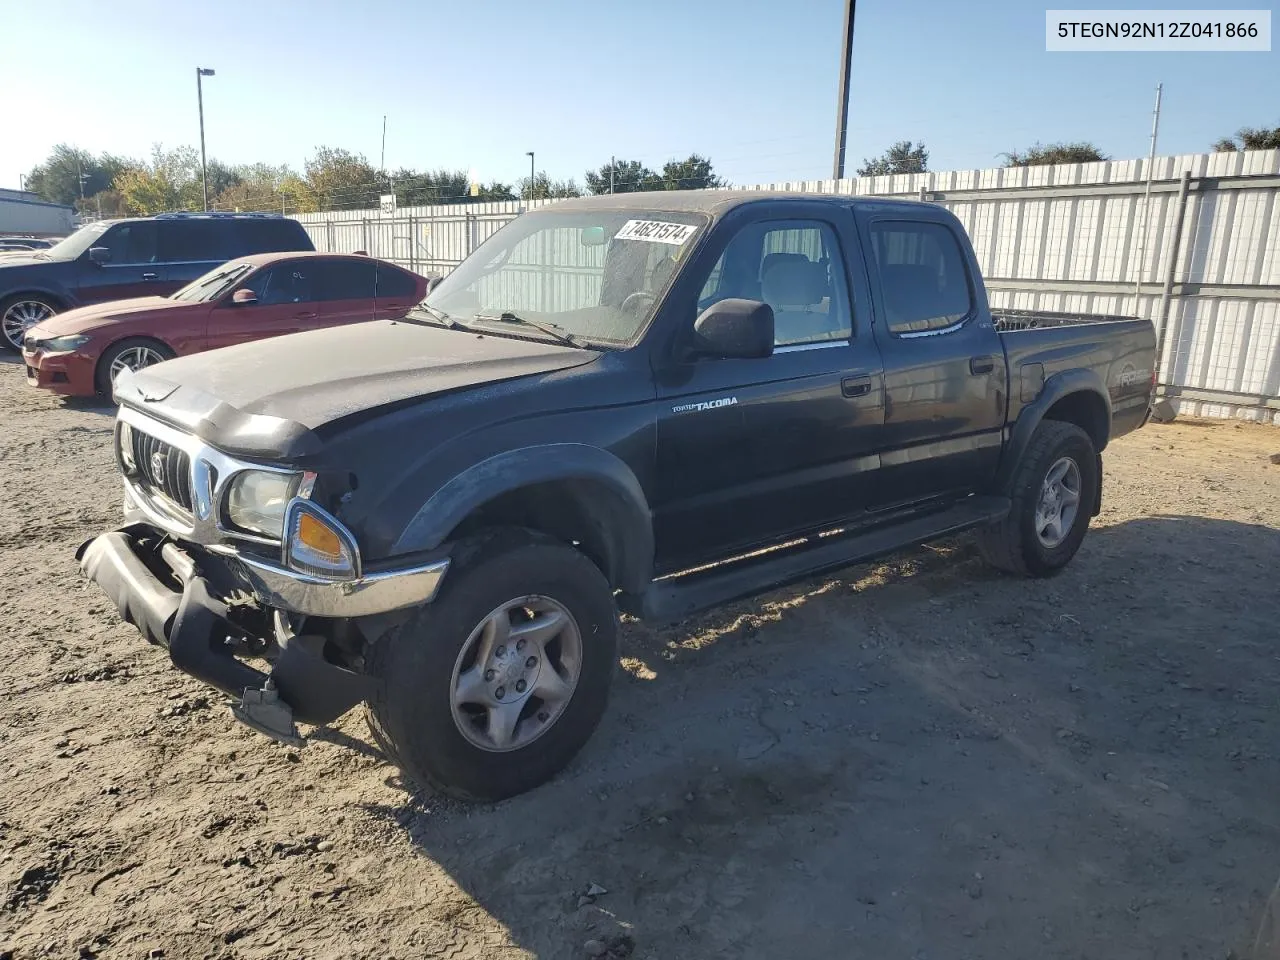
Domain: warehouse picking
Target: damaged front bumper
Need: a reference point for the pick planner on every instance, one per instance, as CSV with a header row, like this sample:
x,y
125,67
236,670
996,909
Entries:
x,y
177,599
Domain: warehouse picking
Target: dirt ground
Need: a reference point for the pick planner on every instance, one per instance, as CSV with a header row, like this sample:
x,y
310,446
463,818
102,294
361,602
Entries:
x,y
916,759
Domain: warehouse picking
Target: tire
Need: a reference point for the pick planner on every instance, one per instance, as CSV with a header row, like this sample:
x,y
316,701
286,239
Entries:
x,y
1018,544
447,745
16,312
102,376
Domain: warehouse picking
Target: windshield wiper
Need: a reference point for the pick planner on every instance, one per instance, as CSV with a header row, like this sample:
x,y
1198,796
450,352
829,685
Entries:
x,y
550,329
440,315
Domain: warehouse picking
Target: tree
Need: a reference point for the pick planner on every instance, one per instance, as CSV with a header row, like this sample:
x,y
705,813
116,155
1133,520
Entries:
x,y
902,157
629,176
171,181
1250,138
58,179
264,187
1040,155
695,173
339,178
544,188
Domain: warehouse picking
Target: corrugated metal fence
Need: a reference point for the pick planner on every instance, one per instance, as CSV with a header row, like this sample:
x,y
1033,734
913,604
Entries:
x,y
1065,238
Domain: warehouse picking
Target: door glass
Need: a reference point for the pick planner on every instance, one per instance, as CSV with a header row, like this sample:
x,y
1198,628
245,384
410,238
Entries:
x,y
284,283
344,280
193,241
922,275
393,283
130,243
269,236
797,268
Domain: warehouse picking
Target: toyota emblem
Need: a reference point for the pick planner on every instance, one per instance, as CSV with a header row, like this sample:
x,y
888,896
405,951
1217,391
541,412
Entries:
x,y
158,468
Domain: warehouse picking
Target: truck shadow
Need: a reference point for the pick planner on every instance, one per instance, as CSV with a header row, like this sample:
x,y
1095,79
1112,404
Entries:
x,y
917,755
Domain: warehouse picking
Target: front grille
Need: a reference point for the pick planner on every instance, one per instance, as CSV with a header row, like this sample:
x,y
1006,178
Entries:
x,y
163,469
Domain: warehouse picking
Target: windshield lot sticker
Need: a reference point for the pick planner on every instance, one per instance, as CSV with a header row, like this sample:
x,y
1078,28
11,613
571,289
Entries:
x,y
656,231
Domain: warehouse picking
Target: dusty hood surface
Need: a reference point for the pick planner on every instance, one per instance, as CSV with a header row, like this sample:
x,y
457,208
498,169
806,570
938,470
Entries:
x,y
261,398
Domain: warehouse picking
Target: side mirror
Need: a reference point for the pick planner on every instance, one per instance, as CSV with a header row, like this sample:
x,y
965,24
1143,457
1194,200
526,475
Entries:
x,y
100,255
735,329
243,297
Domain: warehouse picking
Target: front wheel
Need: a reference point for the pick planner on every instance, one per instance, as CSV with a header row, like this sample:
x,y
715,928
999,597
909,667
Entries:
x,y
1054,493
20,313
132,354
492,688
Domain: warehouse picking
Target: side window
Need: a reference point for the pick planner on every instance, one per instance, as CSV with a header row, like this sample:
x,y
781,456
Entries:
x,y
130,242
797,268
193,241
284,283
393,283
922,274
269,236
343,279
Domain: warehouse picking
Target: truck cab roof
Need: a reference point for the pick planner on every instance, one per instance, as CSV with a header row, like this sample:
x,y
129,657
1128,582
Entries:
x,y
717,203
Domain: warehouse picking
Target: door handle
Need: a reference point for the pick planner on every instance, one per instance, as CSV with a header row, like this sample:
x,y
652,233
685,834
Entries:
x,y
979,365
151,276
855,386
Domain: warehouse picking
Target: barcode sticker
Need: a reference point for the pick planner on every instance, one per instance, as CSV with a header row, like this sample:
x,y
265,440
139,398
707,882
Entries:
x,y
656,231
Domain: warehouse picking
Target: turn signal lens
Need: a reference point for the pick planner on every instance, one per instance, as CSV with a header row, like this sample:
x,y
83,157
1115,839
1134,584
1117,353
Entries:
x,y
314,535
318,545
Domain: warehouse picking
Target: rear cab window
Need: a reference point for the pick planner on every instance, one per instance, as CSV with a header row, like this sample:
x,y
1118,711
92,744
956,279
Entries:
x,y
924,280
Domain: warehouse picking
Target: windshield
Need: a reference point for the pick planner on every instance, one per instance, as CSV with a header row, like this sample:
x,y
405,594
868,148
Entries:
x,y
595,275
213,284
77,243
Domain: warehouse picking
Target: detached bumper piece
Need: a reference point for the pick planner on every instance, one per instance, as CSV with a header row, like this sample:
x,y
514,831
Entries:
x,y
163,594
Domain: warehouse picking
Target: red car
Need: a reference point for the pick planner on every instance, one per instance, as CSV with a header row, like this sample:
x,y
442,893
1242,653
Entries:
x,y
80,352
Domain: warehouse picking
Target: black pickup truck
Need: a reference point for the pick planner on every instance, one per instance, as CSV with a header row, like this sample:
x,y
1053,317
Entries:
x,y
649,402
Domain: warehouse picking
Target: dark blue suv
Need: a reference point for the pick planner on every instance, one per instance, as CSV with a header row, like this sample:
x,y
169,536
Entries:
x,y
120,259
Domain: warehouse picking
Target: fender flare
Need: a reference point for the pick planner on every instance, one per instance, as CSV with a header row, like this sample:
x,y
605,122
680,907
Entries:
x,y
1055,388
628,521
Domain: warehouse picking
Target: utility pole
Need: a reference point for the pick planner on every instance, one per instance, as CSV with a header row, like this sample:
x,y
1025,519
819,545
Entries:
x,y
383,165
202,72
842,106
613,162
80,177
532,176
1146,199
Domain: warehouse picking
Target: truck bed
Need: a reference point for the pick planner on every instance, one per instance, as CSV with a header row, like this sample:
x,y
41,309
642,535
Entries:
x,y
1008,320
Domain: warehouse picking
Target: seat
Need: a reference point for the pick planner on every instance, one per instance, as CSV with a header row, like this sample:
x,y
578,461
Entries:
x,y
795,286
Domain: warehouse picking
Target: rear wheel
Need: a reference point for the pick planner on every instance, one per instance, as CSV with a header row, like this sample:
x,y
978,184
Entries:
x,y
1053,498
20,313
132,354
492,688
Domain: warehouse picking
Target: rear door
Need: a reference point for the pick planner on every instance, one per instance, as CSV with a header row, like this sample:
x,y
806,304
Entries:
x,y
750,451
396,291
192,247
133,270
944,366
286,304
343,289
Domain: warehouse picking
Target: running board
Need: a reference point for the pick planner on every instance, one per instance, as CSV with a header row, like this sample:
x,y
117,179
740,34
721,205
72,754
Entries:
x,y
681,596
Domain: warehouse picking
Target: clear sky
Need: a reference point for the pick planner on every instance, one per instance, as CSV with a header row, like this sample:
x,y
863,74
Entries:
x,y
474,85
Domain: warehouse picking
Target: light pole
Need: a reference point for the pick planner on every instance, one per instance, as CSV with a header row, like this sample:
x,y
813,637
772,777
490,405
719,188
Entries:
x,y
202,72
842,108
532,175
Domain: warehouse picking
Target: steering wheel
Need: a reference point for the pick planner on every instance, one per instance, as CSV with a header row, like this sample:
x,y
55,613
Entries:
x,y
634,300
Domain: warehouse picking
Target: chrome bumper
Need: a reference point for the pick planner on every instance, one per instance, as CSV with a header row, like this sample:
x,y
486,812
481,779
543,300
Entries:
x,y
379,592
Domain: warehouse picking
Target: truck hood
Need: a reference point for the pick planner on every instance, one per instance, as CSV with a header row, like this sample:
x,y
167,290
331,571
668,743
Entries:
x,y
84,319
266,398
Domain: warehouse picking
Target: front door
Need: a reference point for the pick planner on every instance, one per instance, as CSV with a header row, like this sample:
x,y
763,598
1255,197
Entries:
x,y
751,451
132,270
286,304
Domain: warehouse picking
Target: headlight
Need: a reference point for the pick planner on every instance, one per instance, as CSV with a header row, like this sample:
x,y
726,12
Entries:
x,y
256,501
62,344
317,544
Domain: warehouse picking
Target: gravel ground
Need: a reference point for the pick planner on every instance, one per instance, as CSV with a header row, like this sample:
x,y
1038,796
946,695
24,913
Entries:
x,y
919,758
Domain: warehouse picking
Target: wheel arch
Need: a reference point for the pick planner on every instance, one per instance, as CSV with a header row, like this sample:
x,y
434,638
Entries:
x,y
573,492
98,366
1073,396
